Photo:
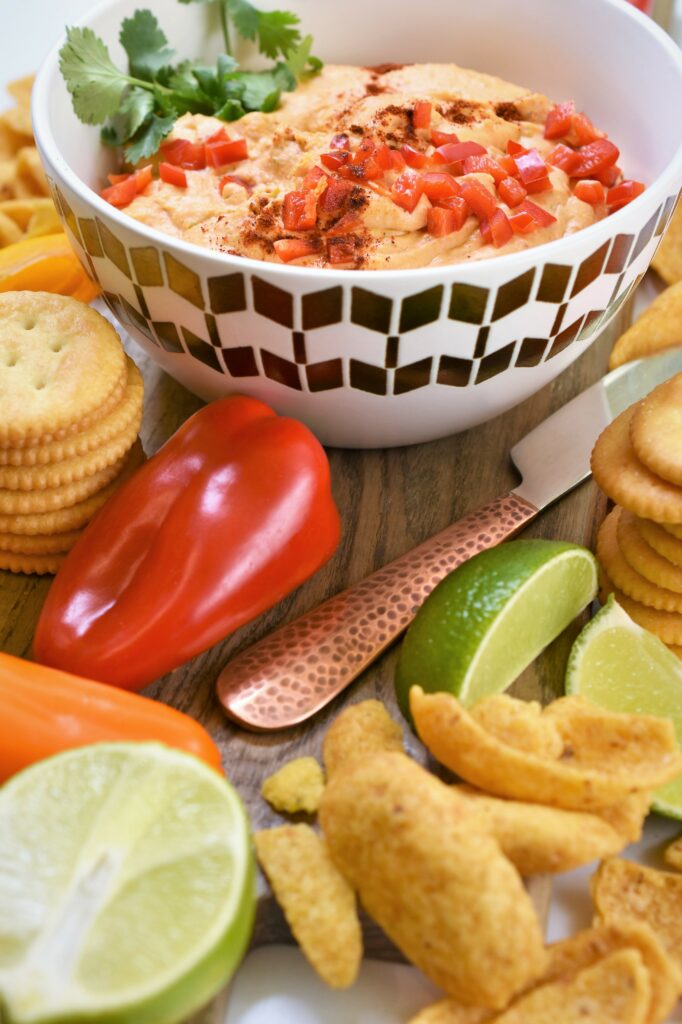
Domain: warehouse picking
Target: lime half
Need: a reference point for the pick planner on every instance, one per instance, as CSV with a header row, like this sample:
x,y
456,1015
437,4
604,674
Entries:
x,y
622,667
491,617
126,886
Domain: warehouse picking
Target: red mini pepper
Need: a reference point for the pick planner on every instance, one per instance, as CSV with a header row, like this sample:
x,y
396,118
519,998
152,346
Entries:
x,y
232,514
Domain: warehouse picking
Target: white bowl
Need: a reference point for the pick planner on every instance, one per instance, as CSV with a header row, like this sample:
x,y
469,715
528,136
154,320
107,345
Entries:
x,y
382,358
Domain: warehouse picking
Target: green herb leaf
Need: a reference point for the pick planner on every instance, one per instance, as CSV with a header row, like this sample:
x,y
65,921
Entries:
x,y
246,18
300,62
276,34
149,138
95,83
146,45
137,106
231,110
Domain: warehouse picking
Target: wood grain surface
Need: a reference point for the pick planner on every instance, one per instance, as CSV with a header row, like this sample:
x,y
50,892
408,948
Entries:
x,y
389,501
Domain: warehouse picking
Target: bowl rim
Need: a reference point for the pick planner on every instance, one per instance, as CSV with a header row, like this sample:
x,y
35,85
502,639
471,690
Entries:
x,y
49,148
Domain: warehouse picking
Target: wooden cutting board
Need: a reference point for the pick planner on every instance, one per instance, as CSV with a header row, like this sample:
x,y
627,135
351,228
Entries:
x,y
389,501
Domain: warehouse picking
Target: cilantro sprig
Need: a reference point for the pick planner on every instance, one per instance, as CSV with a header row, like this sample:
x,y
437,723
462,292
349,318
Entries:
x,y
138,108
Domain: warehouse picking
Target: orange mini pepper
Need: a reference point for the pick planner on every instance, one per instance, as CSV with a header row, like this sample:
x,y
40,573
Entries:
x,y
45,263
44,711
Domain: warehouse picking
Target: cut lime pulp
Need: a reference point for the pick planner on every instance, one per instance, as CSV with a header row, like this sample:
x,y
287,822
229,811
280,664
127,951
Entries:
x,y
622,667
491,617
126,886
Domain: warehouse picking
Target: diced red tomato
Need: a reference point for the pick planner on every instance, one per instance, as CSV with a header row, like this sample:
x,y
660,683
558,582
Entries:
x,y
583,131
339,142
116,179
623,194
220,152
509,165
441,221
235,179
289,249
541,185
219,136
558,121
565,158
335,160
183,153
368,170
173,175
348,223
383,158
335,196
531,166
453,152
500,229
341,250
484,165
511,191
542,217
609,175
486,233
515,148
523,222
589,191
459,208
480,201
407,190
300,210
313,177
397,160
122,193
413,157
438,185
421,117
366,149
443,138
594,158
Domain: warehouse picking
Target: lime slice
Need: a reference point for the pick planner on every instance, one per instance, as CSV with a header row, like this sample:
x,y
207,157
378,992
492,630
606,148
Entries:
x,y
126,886
622,667
487,620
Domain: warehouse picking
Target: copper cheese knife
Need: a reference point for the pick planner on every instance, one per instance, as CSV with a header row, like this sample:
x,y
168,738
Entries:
x,y
293,672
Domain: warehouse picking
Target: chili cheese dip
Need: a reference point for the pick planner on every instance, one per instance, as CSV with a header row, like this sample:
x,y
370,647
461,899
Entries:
x,y
394,166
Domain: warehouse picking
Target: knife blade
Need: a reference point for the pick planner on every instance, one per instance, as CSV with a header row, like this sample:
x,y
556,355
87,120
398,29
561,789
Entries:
x,y
555,457
295,671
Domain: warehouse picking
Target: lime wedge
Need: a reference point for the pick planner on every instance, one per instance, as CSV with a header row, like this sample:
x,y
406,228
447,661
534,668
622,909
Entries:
x,y
486,621
126,886
622,667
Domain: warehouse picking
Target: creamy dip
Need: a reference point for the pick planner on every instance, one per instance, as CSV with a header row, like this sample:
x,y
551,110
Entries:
x,y
338,110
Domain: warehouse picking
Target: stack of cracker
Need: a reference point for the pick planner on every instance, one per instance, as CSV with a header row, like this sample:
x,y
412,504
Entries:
x,y
637,462
70,411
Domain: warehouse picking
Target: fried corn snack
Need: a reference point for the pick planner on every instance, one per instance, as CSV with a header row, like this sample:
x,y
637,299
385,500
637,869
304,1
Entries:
x,y
358,732
297,786
519,724
656,329
627,817
449,1011
673,854
318,903
621,889
588,947
617,990
544,840
606,756
668,259
433,878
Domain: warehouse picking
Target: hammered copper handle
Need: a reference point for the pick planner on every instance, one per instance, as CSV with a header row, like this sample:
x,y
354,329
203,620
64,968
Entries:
x,y
292,673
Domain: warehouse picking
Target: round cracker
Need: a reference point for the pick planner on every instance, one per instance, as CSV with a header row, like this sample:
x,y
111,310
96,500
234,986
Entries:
x,y
124,419
676,649
40,544
667,626
661,540
627,481
30,564
52,498
624,577
643,558
60,362
656,430
59,474
75,516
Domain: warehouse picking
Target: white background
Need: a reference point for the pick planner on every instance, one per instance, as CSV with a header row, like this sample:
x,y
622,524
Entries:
x,y
275,984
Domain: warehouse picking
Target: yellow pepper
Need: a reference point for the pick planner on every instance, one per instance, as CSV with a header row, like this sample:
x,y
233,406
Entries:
x,y
45,263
